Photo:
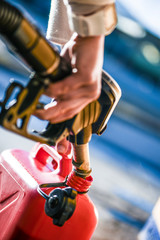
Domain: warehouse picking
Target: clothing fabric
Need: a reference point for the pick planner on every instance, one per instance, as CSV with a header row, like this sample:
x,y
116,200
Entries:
x,y
151,230
59,30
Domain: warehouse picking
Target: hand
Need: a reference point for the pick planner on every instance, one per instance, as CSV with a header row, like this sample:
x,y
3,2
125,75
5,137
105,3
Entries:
x,y
83,86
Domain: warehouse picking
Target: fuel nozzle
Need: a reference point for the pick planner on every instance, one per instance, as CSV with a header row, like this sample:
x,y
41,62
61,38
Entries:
x,y
96,116
48,66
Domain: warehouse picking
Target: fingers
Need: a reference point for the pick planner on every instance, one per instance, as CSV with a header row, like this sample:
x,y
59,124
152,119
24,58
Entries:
x,y
70,100
62,87
72,83
63,110
67,85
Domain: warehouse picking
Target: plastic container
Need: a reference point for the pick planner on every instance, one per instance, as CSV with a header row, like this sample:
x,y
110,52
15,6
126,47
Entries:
x,y
22,213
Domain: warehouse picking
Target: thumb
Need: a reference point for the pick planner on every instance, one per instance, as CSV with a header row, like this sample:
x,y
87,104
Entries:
x,y
64,147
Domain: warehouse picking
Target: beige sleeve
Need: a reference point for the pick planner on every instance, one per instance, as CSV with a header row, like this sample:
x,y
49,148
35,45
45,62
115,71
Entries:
x,y
59,29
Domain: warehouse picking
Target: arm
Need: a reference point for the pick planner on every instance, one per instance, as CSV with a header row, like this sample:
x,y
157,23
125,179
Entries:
x,y
85,53
84,50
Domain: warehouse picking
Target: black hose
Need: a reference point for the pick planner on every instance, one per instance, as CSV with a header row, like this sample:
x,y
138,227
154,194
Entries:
x,y
25,39
10,18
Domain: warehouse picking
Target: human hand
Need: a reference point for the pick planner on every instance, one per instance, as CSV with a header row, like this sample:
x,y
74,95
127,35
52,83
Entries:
x,y
83,86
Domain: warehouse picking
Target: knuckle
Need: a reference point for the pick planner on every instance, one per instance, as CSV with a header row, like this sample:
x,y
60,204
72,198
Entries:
x,y
98,92
71,114
43,116
95,92
91,79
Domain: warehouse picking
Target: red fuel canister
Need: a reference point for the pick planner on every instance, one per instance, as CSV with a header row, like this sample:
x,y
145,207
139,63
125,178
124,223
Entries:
x,y
22,214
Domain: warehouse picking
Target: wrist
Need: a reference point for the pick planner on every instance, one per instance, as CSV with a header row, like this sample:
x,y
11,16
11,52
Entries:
x,y
93,42
76,37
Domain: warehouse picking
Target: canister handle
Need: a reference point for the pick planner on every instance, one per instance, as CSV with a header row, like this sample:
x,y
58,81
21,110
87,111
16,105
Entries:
x,y
46,155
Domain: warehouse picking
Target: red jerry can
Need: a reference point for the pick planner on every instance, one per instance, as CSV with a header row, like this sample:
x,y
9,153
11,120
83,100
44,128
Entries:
x,y
22,214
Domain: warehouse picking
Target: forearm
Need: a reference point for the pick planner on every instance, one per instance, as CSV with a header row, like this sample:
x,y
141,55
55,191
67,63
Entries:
x,y
84,52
